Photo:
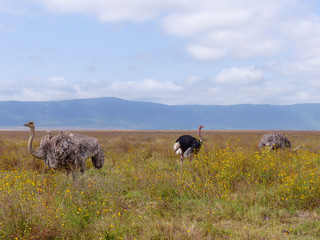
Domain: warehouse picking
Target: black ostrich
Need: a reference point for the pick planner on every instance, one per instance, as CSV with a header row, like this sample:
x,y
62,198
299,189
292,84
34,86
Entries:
x,y
188,146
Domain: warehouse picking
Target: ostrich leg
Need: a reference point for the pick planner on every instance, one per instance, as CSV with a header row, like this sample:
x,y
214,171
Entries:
x,y
181,162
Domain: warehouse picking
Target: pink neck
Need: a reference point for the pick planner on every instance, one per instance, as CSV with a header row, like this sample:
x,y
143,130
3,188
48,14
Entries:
x,y
199,132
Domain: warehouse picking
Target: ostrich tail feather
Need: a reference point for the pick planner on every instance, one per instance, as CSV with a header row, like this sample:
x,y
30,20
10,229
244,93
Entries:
x,y
176,146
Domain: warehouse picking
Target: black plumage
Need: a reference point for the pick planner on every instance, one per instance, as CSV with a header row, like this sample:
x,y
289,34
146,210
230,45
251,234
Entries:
x,y
188,146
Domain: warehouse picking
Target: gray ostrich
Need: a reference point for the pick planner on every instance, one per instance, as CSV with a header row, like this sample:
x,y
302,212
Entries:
x,y
67,150
275,141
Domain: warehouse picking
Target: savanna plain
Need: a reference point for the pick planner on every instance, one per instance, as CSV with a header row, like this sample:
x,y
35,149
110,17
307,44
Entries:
x,y
231,190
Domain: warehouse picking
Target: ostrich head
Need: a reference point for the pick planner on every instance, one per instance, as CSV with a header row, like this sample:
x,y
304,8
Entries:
x,y
201,127
29,124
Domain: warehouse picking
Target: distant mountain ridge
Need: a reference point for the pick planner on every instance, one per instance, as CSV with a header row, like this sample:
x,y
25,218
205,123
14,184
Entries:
x,y
115,113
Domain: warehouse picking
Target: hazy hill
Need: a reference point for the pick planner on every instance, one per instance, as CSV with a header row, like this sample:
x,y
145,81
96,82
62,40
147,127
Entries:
x,y
114,113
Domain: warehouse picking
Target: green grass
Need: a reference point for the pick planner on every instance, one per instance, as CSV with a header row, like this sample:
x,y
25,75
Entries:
x,y
230,191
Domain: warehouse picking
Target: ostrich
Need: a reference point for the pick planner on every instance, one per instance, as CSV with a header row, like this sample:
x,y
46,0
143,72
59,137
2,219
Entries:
x,y
66,150
187,146
276,141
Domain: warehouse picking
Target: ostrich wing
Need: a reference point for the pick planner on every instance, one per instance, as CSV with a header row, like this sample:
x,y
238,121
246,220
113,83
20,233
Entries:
x,y
196,147
275,141
45,145
185,142
75,146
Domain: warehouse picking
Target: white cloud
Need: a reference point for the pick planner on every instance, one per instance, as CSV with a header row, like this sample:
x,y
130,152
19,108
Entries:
x,y
233,29
206,53
234,88
193,79
239,76
112,10
52,88
215,29
280,36
17,7
146,89
193,23
57,82
150,89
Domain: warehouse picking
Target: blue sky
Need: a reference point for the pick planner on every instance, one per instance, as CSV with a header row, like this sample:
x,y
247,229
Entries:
x,y
166,51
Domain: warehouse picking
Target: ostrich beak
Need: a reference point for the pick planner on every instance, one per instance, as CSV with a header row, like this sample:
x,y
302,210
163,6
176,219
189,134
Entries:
x,y
25,125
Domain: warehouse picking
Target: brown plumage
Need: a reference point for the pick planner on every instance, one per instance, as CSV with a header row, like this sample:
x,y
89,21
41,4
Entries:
x,y
276,141
67,150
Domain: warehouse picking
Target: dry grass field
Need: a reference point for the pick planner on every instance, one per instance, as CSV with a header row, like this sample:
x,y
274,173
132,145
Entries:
x,y
231,190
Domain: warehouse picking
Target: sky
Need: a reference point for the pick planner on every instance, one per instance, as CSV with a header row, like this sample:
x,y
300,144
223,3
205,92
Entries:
x,y
176,52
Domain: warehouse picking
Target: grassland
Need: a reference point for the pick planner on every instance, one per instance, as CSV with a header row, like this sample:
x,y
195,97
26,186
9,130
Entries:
x,y
230,191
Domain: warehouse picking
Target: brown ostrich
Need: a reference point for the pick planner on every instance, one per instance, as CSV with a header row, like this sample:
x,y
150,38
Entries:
x,y
67,150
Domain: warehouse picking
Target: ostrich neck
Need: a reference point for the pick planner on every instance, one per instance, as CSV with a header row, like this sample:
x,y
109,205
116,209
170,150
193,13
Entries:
x,y
36,154
199,132
295,149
